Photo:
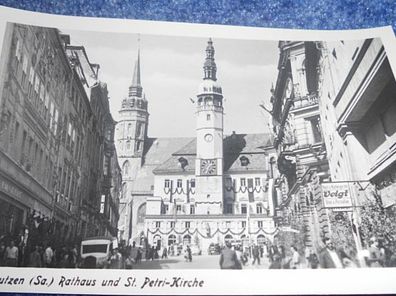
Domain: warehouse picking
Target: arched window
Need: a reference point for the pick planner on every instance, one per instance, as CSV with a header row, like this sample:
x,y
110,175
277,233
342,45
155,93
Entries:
x,y
141,213
186,239
128,145
260,239
125,168
171,239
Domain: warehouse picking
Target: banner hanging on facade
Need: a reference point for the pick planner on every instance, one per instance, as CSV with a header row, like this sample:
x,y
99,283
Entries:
x,y
336,195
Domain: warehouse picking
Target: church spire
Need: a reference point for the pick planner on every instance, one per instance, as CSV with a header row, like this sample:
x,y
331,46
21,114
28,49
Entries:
x,y
210,65
135,90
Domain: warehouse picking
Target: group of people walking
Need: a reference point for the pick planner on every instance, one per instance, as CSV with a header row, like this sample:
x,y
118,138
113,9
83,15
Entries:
x,y
329,256
38,255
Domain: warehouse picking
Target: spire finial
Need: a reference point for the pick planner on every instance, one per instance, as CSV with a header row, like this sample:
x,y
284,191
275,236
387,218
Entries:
x,y
210,65
136,88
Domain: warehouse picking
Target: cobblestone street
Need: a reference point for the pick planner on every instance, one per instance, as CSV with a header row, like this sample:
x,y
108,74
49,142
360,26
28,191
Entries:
x,y
198,262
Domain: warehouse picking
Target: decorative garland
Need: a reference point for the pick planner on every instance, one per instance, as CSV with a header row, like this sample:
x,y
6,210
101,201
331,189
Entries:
x,y
244,189
241,189
178,190
214,233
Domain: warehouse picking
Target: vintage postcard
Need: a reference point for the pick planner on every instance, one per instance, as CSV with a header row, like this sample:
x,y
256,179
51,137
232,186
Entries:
x,y
145,157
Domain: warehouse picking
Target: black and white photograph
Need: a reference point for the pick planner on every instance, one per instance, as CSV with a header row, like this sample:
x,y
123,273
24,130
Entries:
x,y
145,151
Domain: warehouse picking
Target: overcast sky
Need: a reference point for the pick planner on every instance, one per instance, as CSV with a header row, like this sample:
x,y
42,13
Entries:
x,y
171,71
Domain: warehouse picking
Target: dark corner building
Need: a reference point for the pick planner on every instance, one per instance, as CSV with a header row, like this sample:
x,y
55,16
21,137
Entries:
x,y
59,175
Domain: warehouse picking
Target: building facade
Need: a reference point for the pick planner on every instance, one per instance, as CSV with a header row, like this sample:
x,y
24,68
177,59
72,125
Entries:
x,y
201,190
48,131
357,95
333,118
302,160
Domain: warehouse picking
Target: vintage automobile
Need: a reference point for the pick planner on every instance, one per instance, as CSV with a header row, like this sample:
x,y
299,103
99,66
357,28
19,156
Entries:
x,y
96,251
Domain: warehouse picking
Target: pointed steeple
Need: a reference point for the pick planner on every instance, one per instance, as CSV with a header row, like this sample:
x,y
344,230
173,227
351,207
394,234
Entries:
x,y
136,72
210,65
135,90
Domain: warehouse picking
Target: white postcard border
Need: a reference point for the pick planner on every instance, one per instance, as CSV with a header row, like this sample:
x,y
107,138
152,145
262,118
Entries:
x,y
253,282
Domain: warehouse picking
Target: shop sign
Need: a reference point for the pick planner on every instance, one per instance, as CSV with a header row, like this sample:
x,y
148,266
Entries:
x,y
10,189
336,195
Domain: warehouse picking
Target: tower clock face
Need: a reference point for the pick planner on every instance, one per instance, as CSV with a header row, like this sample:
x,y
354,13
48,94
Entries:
x,y
208,167
208,138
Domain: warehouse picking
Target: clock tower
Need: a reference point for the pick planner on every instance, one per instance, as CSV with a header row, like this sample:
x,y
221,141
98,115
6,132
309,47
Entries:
x,y
209,161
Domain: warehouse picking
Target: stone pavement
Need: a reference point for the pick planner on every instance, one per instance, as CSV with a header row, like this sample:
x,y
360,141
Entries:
x,y
198,262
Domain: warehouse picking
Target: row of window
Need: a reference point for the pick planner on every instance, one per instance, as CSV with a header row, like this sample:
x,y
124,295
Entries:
x,y
128,146
187,224
179,209
244,182
46,83
38,91
179,183
229,209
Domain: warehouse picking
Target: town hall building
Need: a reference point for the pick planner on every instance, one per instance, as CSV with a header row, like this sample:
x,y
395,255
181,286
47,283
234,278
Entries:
x,y
202,190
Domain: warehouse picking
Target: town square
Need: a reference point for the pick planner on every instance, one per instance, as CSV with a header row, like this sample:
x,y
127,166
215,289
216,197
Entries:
x,y
137,151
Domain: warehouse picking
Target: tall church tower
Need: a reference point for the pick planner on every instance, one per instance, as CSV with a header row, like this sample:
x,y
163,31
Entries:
x,y
209,161
131,133
132,127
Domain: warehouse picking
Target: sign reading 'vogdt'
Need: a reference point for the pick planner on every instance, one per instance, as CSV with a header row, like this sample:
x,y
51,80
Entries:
x,y
336,195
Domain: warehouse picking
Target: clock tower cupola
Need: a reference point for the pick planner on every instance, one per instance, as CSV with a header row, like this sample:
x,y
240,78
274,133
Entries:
x,y
209,161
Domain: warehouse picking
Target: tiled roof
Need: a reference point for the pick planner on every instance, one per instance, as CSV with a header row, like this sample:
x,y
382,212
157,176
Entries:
x,y
156,151
251,146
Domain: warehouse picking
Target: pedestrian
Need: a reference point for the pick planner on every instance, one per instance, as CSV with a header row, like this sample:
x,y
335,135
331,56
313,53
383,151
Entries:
x,y
295,260
115,260
48,256
313,261
189,254
328,257
11,255
239,256
128,262
73,253
133,252
376,254
164,253
35,258
256,254
152,253
186,254
139,255
273,249
276,262
65,258
346,260
2,253
228,258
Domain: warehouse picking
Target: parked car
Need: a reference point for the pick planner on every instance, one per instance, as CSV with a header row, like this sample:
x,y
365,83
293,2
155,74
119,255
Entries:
x,y
95,251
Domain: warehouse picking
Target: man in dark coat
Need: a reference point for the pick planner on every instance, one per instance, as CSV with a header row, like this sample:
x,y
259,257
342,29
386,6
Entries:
x,y
256,254
228,258
328,257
